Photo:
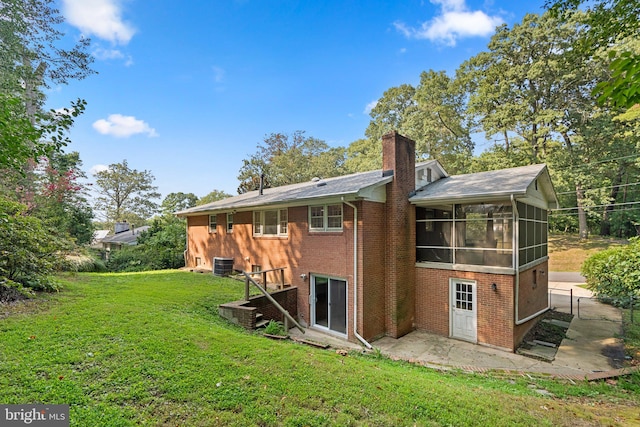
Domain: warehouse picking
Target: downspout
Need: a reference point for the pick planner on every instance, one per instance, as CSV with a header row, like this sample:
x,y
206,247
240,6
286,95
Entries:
x,y
355,274
516,264
185,254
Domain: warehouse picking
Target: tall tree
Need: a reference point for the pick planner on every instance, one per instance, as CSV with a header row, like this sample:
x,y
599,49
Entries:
x,y
608,23
126,194
31,59
534,87
283,159
213,196
174,202
431,114
61,198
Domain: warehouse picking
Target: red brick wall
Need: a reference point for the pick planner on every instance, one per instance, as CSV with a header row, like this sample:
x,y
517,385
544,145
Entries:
x,y
533,297
398,154
301,252
371,294
494,308
287,298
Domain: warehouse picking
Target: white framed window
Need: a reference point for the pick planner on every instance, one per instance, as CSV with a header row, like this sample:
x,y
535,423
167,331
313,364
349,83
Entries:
x,y
325,217
229,223
270,222
213,223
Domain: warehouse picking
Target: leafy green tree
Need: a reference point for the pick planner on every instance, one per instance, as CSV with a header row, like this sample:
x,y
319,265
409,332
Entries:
x,y
160,247
126,194
392,112
363,155
533,87
213,196
29,252
60,199
288,159
608,23
177,202
31,59
431,114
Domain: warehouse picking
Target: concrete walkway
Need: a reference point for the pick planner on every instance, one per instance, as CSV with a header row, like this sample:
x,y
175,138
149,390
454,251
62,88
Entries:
x,y
587,351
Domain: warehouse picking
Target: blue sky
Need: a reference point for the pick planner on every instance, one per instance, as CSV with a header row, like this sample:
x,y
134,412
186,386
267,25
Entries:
x,y
187,89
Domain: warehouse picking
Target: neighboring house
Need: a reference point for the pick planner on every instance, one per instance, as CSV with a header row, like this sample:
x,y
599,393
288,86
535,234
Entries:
x,y
124,236
98,235
389,251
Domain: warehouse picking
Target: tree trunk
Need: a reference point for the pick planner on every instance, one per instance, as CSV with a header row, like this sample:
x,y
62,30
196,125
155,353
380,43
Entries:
x,y
506,141
582,215
605,225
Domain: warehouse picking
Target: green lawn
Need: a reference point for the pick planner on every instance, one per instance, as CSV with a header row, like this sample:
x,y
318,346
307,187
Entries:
x,y
150,349
567,252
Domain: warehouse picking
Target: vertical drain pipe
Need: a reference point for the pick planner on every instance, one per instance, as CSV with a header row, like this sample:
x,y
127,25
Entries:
x,y
355,274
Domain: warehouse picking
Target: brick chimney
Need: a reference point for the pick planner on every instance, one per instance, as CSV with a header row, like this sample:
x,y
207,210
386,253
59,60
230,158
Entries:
x,y
398,157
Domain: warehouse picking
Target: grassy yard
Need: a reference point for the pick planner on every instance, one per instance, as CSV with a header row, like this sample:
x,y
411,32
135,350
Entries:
x,y
150,349
567,252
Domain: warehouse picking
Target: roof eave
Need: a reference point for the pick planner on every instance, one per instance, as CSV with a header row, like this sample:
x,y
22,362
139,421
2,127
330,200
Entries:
x,y
499,195
348,195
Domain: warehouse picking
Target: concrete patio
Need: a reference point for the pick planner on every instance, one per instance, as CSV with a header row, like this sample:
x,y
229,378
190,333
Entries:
x,y
591,348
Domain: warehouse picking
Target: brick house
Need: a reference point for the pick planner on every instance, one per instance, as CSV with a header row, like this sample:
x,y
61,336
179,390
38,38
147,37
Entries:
x,y
389,251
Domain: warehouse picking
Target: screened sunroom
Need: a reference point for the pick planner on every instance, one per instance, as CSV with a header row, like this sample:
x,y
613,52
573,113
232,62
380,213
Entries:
x,y
464,220
481,234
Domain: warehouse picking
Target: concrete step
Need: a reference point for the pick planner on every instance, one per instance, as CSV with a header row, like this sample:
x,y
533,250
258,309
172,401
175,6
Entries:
x,y
262,324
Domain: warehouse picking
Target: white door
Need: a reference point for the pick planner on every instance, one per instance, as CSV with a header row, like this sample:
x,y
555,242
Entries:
x,y
464,319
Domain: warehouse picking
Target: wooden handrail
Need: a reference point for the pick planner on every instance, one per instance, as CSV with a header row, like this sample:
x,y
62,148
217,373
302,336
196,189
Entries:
x,y
251,273
285,313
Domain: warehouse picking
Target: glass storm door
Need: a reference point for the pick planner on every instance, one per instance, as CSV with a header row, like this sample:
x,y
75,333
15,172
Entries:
x,y
464,320
329,304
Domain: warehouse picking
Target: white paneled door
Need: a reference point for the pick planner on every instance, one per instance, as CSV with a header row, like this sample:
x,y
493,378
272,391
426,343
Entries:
x,y
464,315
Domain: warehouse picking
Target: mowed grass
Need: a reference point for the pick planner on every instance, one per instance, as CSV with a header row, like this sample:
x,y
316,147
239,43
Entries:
x,y
150,349
567,252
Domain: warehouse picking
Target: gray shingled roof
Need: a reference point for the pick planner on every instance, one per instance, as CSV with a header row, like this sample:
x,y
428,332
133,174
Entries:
x,y
347,185
126,237
492,184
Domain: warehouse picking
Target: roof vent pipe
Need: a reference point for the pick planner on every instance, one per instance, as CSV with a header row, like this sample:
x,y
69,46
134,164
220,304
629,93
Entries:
x,y
261,184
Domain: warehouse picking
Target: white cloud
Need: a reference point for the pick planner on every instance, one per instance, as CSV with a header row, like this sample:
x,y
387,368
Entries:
x,y
370,106
455,21
104,54
218,74
101,18
98,168
123,126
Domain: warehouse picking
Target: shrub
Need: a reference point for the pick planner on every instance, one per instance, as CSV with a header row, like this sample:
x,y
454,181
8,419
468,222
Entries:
x,y
615,272
84,263
29,252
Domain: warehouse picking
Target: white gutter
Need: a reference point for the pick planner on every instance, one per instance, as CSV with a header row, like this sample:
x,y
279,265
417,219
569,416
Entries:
x,y
355,274
516,265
